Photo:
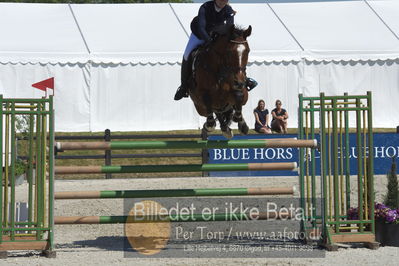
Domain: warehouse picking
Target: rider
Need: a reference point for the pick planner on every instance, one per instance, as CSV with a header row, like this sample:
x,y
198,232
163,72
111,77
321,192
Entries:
x,y
211,14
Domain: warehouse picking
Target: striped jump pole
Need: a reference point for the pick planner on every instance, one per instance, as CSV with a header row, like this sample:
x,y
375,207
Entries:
x,y
202,192
198,144
175,168
170,218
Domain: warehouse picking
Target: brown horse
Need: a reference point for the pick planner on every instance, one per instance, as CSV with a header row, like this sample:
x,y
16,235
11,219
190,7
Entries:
x,y
218,83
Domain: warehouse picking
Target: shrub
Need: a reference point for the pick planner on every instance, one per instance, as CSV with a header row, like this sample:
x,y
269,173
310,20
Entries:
x,y
20,167
388,212
392,196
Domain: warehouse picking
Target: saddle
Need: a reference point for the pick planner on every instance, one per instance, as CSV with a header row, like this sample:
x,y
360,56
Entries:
x,y
194,62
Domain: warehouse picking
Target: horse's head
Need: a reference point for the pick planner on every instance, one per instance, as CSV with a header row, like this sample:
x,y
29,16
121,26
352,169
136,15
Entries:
x,y
232,48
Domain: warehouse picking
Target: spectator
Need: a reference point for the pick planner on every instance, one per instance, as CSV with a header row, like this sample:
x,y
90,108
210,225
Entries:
x,y
262,118
280,116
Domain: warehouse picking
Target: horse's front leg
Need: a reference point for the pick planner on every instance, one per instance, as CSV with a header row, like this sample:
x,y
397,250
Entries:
x,y
237,117
210,123
225,120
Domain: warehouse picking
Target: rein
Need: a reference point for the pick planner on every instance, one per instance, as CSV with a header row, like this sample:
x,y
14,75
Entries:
x,y
239,42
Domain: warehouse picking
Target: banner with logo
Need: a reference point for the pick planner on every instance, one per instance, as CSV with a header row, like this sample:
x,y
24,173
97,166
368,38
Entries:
x,y
386,146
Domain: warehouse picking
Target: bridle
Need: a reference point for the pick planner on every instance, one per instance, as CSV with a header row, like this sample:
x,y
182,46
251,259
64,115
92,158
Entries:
x,y
238,42
223,74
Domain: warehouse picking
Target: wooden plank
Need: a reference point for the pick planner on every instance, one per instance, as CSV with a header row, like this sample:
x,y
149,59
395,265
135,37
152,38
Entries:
x,y
351,238
8,238
37,245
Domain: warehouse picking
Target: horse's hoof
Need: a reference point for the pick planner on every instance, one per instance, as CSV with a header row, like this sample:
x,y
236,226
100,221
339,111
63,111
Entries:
x,y
237,119
228,133
243,128
209,128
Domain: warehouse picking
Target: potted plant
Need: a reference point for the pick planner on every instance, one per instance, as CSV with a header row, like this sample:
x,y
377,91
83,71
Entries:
x,y
387,215
386,225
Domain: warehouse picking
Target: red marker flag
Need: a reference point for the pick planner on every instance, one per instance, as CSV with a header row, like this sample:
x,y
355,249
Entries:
x,y
44,84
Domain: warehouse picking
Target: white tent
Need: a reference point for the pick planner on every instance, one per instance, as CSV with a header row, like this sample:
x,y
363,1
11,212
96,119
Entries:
x,y
117,66
134,69
39,41
348,47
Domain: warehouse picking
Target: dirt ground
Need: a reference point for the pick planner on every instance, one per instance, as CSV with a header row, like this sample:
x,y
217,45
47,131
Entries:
x,y
103,244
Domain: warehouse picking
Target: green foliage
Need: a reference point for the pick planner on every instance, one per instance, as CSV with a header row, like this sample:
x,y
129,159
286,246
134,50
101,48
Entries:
x,y
20,167
392,197
98,1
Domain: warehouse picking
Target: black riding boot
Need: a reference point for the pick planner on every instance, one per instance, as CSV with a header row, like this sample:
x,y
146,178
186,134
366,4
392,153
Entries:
x,y
251,83
182,91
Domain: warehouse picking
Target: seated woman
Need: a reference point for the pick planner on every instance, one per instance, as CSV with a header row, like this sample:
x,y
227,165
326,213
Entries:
x,y
262,118
280,116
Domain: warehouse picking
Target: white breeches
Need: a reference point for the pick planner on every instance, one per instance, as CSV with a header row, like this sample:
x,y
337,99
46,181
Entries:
x,y
193,43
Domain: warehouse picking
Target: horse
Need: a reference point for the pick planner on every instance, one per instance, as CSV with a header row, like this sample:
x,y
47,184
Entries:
x,y
218,82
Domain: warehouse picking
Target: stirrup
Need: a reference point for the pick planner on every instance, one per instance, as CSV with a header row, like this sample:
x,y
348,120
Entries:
x,y
251,83
181,93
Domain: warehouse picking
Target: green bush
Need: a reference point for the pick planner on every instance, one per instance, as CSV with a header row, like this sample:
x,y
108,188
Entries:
x,y
392,196
20,167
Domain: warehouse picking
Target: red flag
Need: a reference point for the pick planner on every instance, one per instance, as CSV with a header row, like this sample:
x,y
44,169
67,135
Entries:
x,y
42,85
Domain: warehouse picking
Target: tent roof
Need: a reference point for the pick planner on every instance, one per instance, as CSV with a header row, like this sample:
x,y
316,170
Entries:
x,y
158,33
131,33
269,40
39,32
388,10
338,30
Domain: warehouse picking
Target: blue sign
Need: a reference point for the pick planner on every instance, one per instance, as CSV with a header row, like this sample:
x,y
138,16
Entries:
x,y
386,145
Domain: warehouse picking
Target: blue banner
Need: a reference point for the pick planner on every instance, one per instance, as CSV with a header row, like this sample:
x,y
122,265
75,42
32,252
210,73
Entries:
x,y
386,145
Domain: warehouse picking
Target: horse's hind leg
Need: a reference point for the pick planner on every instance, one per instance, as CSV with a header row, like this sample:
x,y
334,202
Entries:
x,y
237,117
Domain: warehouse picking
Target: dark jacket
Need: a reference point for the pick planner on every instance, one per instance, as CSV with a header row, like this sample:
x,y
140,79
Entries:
x,y
208,19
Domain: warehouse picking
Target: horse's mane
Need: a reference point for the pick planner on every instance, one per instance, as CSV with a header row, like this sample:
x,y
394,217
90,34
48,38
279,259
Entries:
x,y
225,30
